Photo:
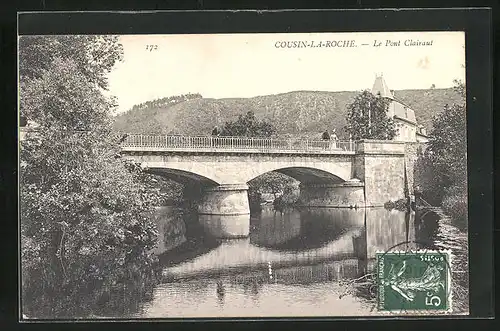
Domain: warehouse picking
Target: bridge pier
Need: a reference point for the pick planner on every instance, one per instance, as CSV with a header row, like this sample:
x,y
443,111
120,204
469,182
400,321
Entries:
x,y
226,226
344,195
380,164
224,210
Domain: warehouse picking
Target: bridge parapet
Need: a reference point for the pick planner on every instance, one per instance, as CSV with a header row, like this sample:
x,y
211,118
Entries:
x,y
380,147
145,143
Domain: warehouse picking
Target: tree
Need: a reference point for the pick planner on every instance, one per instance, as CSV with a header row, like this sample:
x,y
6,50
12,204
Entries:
x,y
61,98
272,182
367,118
284,188
248,126
446,158
165,102
447,148
93,56
448,144
459,87
84,213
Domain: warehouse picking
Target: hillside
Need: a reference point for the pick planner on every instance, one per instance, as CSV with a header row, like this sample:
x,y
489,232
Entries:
x,y
306,113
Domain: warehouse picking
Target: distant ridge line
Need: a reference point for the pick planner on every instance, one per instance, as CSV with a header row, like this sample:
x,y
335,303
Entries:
x,y
290,92
303,113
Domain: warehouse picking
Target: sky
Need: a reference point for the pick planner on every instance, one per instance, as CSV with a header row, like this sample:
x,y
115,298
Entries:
x,y
247,65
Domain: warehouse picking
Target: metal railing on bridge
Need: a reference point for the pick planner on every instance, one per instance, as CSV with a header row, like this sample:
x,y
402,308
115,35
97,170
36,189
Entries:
x,y
234,143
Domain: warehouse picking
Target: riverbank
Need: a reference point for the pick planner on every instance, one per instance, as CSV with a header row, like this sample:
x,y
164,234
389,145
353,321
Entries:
x,y
456,206
451,237
446,236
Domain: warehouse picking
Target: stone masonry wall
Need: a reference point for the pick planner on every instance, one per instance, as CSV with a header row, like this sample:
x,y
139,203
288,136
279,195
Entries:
x,y
413,172
359,167
384,179
332,196
381,166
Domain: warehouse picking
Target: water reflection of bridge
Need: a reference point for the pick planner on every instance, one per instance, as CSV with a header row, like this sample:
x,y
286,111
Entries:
x,y
240,255
304,228
307,239
302,274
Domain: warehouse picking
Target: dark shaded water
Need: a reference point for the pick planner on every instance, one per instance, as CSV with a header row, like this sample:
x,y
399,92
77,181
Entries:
x,y
294,263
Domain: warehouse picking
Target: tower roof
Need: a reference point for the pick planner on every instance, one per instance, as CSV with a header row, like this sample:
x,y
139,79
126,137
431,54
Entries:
x,y
396,107
379,86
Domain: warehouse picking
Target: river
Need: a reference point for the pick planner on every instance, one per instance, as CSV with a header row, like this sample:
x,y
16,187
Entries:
x,y
296,262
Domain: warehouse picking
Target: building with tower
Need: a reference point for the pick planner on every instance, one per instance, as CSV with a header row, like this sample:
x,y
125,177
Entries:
x,y
408,128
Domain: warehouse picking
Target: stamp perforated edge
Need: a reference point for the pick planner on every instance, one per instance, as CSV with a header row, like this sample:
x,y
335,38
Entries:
x,y
448,253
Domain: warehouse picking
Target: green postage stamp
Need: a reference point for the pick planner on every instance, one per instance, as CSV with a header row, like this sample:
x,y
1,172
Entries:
x,y
414,281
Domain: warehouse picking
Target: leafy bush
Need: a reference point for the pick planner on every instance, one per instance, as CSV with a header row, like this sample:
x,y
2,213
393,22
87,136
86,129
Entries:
x,y
401,204
291,194
455,204
254,198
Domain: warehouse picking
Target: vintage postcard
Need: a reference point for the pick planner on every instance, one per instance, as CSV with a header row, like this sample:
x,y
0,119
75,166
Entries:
x,y
243,175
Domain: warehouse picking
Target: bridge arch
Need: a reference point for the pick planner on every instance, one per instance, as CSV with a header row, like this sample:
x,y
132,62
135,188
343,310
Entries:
x,y
181,175
305,175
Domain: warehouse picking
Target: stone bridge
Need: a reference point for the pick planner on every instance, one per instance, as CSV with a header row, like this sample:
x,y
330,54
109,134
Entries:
x,y
359,174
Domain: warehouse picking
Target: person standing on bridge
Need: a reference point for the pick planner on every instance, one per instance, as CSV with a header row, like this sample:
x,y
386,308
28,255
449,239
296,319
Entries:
x,y
215,133
326,137
333,145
